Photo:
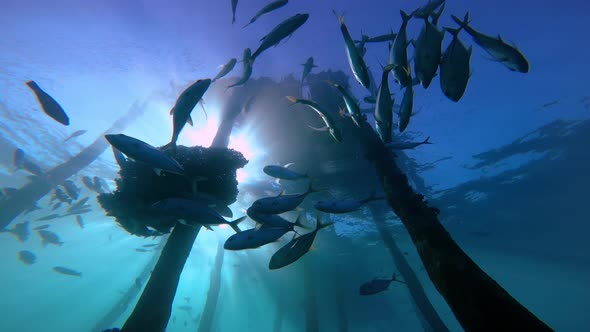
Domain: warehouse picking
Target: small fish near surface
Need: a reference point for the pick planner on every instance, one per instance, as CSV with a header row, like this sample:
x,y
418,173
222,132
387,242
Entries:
x,y
247,63
87,181
79,205
280,32
254,238
80,221
331,127
510,56
75,134
27,257
20,231
49,237
142,152
225,69
355,59
307,67
296,248
376,286
48,104
281,203
455,68
407,145
67,271
283,172
345,206
184,105
267,9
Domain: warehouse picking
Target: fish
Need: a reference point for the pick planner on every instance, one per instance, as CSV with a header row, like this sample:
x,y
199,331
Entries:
x,y
32,168
77,212
331,127
281,203
80,221
75,134
234,6
407,145
377,286
267,9
351,104
455,67
71,189
398,54
142,152
78,205
27,257
184,105
508,55
405,112
20,231
41,227
151,245
283,172
307,67
254,238
49,237
20,161
384,106
193,213
67,271
355,59
225,69
344,206
214,203
48,104
61,195
87,181
119,157
273,220
49,217
296,248
280,32
141,250
247,62
428,9
428,49
18,157
56,206
388,37
99,184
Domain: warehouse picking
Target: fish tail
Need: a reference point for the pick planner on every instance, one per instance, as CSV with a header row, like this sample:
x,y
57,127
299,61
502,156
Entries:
x,y
453,31
427,140
405,16
320,224
234,224
435,16
32,84
464,24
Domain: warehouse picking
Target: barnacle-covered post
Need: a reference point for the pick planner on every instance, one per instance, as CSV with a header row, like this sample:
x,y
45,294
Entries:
x,y
139,187
478,302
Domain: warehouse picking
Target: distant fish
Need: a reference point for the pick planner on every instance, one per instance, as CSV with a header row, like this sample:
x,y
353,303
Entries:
x,y
248,104
27,257
296,248
119,157
145,153
71,189
407,145
510,56
255,238
61,195
75,134
141,250
330,127
281,203
377,286
49,217
344,206
20,161
56,206
48,104
234,6
283,172
283,30
267,9
78,205
307,67
20,231
41,227
247,62
388,37
355,59
67,271
184,105
99,184
49,237
214,203
225,69
80,221
87,181
151,245
76,212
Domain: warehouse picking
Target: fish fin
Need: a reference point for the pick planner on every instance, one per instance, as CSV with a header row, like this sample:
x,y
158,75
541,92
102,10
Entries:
x,y
208,227
326,128
189,120
463,24
234,224
288,165
453,31
172,111
158,171
293,100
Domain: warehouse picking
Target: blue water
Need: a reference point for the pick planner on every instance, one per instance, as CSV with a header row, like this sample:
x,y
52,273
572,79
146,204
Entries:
x,y
98,58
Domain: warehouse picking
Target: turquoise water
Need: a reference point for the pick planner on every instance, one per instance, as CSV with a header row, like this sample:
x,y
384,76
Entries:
x,y
507,167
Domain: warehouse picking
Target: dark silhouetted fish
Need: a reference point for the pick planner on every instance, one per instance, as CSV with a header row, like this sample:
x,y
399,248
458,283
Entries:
x,y
254,238
49,217
48,104
99,185
38,228
406,107
377,286
234,6
307,67
75,134
428,50
455,67
27,257
267,9
388,37
80,221
280,32
351,103
428,9
62,196
344,206
71,189
407,145
330,127
79,205
398,55
181,111
67,271
77,212
20,231
142,152
355,59
87,181
49,237
384,107
151,245
279,204
225,69
296,248
18,157
141,250
274,220
56,206
282,172
247,62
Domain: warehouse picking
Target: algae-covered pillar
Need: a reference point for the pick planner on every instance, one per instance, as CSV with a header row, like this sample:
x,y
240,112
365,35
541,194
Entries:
x,y
140,187
40,186
208,314
478,302
427,311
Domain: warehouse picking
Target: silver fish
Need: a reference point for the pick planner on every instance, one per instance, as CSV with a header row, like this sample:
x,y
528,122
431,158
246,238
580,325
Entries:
x,y
398,55
384,107
283,172
428,50
281,203
280,32
351,104
323,113
225,69
355,59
